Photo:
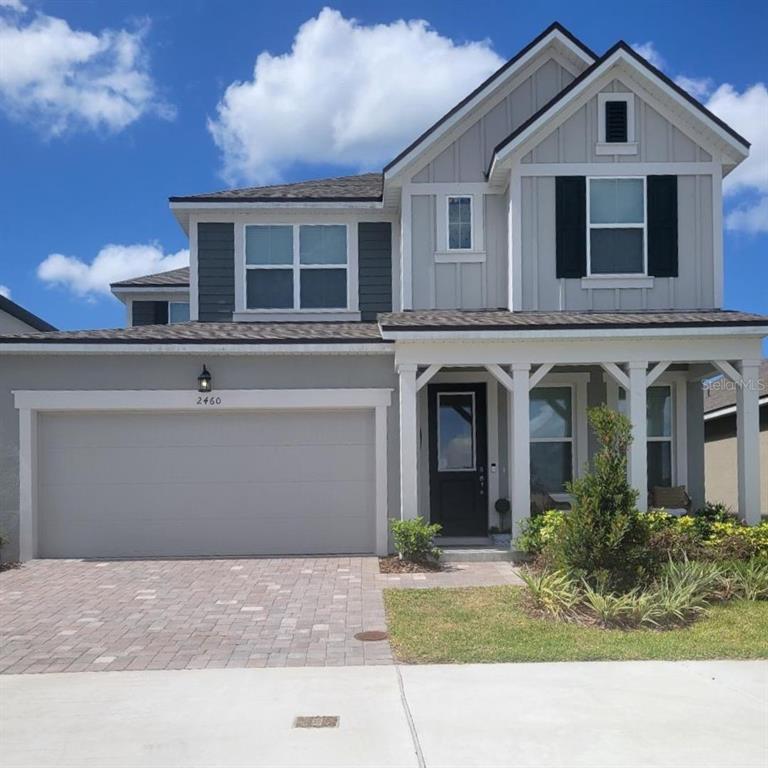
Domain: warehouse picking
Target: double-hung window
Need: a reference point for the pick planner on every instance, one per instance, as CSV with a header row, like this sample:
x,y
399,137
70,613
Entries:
x,y
296,266
659,426
178,311
459,223
552,446
616,231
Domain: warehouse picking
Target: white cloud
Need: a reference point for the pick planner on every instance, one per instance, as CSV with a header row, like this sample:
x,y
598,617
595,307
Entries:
x,y
4,289
13,5
650,54
698,87
345,94
112,264
749,218
58,78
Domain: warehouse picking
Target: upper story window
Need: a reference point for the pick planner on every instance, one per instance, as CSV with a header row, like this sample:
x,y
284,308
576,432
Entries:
x,y
459,223
616,124
616,231
296,266
178,311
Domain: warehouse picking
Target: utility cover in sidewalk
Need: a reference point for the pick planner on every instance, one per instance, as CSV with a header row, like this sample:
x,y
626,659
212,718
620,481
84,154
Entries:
x,y
373,634
316,721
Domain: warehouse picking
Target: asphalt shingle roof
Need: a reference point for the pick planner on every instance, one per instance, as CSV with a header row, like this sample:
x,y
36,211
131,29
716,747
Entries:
x,y
721,392
172,278
500,319
212,333
365,187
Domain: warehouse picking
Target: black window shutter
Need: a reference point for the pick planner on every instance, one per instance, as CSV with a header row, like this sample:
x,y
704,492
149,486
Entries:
x,y
571,226
662,226
615,121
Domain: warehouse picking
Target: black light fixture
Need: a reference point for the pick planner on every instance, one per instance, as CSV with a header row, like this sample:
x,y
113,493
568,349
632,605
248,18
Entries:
x,y
204,381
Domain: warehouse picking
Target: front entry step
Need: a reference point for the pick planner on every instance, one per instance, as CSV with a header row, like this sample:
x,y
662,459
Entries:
x,y
488,554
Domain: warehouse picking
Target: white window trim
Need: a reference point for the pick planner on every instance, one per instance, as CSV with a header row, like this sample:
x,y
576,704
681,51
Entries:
x,y
678,383
628,147
472,238
578,383
473,468
643,227
350,311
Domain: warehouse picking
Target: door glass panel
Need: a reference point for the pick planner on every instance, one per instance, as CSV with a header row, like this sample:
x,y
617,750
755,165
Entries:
x,y
455,431
550,412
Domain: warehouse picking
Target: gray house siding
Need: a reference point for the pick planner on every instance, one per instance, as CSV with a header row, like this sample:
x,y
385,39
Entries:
x,y
467,158
159,372
216,271
374,247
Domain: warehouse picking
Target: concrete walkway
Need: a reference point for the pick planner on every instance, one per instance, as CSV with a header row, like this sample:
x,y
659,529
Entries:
x,y
617,714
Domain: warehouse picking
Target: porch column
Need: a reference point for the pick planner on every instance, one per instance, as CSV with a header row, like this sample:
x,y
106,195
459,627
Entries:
x,y
409,452
748,441
520,446
638,451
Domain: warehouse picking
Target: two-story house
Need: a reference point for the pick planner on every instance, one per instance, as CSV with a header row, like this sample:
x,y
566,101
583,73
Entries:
x,y
421,341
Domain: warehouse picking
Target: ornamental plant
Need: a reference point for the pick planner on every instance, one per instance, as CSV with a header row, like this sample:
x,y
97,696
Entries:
x,y
414,539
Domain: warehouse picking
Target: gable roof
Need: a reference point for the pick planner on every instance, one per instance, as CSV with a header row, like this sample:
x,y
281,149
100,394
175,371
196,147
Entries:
x,y
594,71
172,278
364,187
24,315
552,30
721,393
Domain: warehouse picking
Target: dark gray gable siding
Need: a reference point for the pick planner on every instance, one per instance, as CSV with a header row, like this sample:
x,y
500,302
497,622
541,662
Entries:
x,y
149,312
374,248
215,272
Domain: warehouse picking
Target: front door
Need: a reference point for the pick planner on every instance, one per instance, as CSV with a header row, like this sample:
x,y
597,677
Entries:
x,y
458,449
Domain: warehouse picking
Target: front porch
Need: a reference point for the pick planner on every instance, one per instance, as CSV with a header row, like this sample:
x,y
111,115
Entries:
x,y
484,417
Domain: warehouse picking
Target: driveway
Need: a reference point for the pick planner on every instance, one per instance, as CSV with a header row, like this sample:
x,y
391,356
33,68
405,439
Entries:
x,y
75,615
595,715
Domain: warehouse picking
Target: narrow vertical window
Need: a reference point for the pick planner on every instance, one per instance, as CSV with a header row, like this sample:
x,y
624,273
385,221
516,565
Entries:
x,y
551,414
460,223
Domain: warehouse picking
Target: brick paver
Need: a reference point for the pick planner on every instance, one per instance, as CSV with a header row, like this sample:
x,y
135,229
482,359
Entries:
x,y
74,615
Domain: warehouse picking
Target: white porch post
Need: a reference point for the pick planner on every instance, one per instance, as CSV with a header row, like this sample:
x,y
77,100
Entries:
x,y
638,452
748,441
409,453
520,445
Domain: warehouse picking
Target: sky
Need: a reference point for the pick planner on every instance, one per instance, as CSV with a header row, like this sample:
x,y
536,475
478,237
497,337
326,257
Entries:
x,y
107,108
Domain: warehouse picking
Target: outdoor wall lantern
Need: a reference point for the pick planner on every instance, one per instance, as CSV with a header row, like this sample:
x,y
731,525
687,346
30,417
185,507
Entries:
x,y
204,381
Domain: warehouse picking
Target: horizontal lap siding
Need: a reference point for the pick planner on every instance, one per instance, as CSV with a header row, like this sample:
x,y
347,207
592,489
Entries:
x,y
374,244
216,271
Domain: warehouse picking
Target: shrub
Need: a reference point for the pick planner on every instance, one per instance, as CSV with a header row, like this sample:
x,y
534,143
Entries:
x,y
539,530
747,580
604,538
414,539
553,592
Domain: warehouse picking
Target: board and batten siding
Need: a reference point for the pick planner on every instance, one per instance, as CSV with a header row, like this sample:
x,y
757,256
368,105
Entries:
x,y
459,284
467,158
216,271
694,288
374,271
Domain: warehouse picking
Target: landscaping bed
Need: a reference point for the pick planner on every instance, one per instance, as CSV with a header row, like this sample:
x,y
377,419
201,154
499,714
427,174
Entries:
x,y
394,564
494,624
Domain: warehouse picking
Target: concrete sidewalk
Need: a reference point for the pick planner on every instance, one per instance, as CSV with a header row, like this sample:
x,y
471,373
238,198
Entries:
x,y
577,714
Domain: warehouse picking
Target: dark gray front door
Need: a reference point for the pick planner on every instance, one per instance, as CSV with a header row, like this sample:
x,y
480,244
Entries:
x,y
458,468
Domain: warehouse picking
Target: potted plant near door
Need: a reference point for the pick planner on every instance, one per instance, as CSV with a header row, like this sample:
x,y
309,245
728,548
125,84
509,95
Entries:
x,y
502,536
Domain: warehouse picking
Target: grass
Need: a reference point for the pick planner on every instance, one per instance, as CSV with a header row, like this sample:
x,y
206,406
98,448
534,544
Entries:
x,y
489,624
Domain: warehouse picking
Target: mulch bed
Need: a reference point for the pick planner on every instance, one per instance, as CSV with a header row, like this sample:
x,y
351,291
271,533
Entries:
x,y
9,566
393,564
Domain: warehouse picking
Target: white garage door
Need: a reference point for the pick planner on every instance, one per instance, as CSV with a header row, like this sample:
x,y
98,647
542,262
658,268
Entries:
x,y
231,483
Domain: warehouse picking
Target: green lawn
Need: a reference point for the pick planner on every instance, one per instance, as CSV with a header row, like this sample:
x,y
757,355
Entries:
x,y
488,624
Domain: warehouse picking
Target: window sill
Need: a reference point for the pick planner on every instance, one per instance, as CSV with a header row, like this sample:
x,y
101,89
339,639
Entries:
x,y
458,256
616,148
296,316
631,281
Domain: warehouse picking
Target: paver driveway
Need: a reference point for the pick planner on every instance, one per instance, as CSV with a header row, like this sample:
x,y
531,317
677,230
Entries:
x,y
74,615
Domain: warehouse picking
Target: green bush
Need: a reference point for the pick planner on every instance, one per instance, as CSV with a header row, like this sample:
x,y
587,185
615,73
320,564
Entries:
x,y
604,539
538,531
414,539
747,580
553,592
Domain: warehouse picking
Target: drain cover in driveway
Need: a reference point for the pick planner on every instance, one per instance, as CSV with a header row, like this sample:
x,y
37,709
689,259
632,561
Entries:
x,y
316,721
373,634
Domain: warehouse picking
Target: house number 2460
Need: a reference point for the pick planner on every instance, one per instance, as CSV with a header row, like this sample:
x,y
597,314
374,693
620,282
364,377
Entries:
x,y
208,400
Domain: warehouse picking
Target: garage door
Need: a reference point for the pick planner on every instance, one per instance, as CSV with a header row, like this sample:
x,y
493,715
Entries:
x,y
228,483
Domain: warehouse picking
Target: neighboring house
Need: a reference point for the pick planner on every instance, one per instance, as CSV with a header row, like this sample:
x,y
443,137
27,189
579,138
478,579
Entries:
x,y
425,340
15,319
155,299
720,449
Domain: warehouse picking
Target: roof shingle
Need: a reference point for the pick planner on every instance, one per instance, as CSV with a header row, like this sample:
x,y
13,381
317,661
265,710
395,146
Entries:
x,y
365,187
172,278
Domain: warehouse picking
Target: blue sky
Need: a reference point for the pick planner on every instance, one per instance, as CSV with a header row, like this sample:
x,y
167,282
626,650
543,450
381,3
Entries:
x,y
114,106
